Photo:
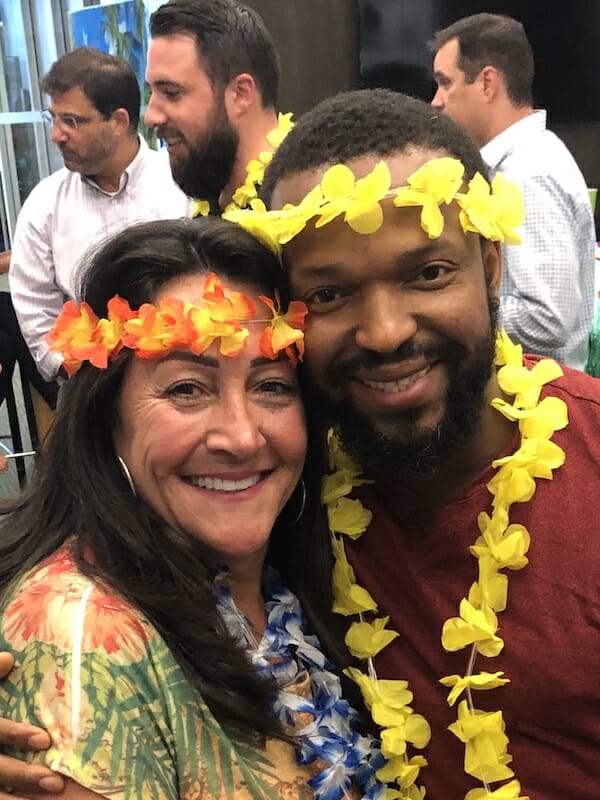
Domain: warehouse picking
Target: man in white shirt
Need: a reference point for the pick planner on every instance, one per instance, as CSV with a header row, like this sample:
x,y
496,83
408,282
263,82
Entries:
x,y
111,179
483,68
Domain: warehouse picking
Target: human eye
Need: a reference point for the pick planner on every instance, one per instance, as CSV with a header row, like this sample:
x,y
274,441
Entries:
x,y
186,392
323,299
434,275
171,94
278,387
69,121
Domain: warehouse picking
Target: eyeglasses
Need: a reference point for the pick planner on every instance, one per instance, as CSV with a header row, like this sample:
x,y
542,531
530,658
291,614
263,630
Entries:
x,y
69,121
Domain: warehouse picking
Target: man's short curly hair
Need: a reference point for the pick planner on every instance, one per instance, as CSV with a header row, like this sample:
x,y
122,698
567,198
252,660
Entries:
x,y
368,122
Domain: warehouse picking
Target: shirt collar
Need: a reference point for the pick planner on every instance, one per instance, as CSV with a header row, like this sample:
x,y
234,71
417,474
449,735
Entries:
x,y
494,151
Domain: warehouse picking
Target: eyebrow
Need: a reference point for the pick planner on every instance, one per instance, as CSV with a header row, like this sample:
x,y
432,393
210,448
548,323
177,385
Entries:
x,y
337,270
210,361
164,83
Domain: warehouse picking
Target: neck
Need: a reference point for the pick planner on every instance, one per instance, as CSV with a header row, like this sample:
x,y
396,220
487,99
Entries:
x,y
253,141
244,582
505,115
109,177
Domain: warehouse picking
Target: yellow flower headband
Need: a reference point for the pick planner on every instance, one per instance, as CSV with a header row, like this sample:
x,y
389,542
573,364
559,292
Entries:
x,y
492,211
153,331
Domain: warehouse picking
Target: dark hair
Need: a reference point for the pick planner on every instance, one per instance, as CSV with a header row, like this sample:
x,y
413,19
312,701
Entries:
x,y
78,490
107,81
367,122
492,40
231,38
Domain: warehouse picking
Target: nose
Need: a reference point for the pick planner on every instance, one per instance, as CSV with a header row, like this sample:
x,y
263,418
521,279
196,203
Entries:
x,y
58,134
437,101
385,322
154,115
234,429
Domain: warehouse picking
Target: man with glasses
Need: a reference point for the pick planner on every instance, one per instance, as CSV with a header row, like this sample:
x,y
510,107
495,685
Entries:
x,y
111,179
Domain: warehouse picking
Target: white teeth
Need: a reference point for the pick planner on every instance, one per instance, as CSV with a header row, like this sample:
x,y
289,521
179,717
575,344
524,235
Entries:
x,y
397,386
220,485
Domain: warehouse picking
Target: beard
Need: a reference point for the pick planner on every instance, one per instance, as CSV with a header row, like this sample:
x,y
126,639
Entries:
x,y
206,170
90,161
407,448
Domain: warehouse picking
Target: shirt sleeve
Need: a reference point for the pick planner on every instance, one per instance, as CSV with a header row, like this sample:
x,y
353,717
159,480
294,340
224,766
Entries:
x,y
36,297
541,292
90,672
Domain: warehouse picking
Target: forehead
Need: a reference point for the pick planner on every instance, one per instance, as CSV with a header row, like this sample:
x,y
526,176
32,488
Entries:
x,y
335,245
293,188
73,101
446,58
174,58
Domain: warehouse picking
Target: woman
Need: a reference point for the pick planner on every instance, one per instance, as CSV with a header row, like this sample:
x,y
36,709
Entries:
x,y
151,642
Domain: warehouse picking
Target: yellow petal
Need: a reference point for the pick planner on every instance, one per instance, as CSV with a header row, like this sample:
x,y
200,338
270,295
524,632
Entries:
x,y
482,681
338,182
365,640
349,517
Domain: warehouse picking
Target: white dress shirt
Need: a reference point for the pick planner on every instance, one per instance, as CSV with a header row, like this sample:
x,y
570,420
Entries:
x,y
67,215
547,285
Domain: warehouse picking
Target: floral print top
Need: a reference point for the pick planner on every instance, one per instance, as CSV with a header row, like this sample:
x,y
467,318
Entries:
x,y
124,720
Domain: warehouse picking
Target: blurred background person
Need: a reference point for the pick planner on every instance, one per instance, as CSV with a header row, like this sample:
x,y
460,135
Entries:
x,y
483,68
111,178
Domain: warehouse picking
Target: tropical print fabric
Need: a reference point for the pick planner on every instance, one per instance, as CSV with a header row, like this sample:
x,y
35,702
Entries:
x,y
123,718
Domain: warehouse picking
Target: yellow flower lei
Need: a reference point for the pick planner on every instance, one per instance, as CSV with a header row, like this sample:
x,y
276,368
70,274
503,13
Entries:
x,y
255,171
493,211
499,546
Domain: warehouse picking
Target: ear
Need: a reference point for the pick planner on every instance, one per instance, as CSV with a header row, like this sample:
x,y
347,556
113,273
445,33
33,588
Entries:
x,y
491,82
492,264
241,93
121,120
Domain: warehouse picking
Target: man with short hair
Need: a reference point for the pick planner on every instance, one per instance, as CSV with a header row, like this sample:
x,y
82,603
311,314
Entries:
x,y
214,74
400,356
111,179
483,68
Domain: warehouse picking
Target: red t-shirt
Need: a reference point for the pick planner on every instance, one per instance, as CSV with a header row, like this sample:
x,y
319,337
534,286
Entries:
x,y
551,627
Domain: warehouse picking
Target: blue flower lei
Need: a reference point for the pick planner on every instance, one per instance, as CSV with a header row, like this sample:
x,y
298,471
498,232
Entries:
x,y
286,654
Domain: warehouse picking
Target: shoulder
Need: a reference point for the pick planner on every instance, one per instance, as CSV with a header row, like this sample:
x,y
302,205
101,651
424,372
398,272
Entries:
x,y
581,393
44,192
55,604
576,387
543,158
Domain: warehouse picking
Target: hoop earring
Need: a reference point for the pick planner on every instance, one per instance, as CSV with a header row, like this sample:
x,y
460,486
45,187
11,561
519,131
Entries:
x,y
127,475
302,503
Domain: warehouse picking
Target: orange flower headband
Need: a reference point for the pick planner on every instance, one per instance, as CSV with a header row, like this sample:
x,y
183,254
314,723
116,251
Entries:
x,y
153,331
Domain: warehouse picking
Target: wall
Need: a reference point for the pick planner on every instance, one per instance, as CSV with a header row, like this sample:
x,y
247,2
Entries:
x,y
318,44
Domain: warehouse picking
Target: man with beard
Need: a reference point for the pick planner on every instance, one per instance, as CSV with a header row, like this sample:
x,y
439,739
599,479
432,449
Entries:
x,y
399,352
400,355
214,73
111,178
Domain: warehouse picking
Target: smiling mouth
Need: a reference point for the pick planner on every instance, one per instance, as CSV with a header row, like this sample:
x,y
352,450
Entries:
x,y
224,485
171,139
400,385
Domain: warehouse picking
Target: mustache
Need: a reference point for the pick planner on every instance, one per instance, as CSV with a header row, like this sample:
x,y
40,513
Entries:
x,y
163,132
408,351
